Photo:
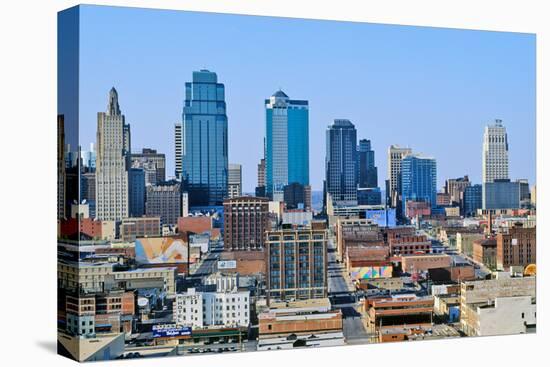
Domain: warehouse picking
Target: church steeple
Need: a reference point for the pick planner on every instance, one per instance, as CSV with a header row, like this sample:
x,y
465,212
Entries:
x,y
113,109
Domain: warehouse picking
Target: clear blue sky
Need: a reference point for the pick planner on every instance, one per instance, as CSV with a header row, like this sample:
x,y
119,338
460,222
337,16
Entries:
x,y
431,89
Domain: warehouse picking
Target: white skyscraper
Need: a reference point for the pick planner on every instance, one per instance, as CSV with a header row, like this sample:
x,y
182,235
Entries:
x,y
395,156
112,158
178,148
495,152
235,181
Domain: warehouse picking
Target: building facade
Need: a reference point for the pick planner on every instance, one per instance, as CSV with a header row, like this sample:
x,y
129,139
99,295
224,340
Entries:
x,y
366,169
419,180
204,140
235,180
341,162
164,201
150,160
178,149
501,194
136,192
516,246
296,264
473,199
455,187
112,162
495,152
395,156
201,309
245,221
287,143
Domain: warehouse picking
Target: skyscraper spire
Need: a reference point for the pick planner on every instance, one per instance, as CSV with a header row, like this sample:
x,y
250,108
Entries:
x,y
113,108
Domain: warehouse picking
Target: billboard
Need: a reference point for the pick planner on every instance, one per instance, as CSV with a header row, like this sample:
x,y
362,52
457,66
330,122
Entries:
x,y
371,272
170,331
382,217
227,264
158,250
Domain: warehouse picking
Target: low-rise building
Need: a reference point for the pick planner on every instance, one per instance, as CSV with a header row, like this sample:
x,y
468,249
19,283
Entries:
x,y
418,263
484,304
485,252
203,309
465,241
300,324
131,228
410,245
406,311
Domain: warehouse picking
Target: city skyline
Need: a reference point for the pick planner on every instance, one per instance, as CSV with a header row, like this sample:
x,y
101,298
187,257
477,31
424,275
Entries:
x,y
507,92
150,265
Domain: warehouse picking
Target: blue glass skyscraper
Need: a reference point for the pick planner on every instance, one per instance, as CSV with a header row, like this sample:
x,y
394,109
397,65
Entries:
x,y
418,180
287,143
136,192
341,162
473,199
204,140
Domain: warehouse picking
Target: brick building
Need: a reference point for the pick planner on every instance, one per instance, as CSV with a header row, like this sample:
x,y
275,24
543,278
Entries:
x,y
245,221
516,246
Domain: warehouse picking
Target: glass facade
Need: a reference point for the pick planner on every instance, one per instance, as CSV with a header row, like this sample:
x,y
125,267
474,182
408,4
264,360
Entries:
x,y
204,136
136,192
287,143
341,162
418,180
473,199
367,172
371,196
501,194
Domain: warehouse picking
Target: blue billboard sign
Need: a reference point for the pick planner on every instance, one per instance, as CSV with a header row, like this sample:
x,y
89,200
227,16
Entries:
x,y
382,217
170,331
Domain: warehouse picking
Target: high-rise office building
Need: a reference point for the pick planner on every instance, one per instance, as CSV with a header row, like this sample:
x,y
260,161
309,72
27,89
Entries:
x,y
87,191
495,152
418,180
136,192
455,187
341,162
153,163
395,156
295,196
369,196
473,199
501,194
178,149
524,193
261,173
296,264
245,221
204,140
366,170
235,180
61,177
165,201
260,187
112,159
287,143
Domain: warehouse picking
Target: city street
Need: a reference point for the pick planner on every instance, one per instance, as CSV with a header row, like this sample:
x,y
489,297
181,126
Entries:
x,y
208,264
342,296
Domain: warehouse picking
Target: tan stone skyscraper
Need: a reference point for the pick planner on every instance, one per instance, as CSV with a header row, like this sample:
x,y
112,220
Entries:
x,y
395,155
112,159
